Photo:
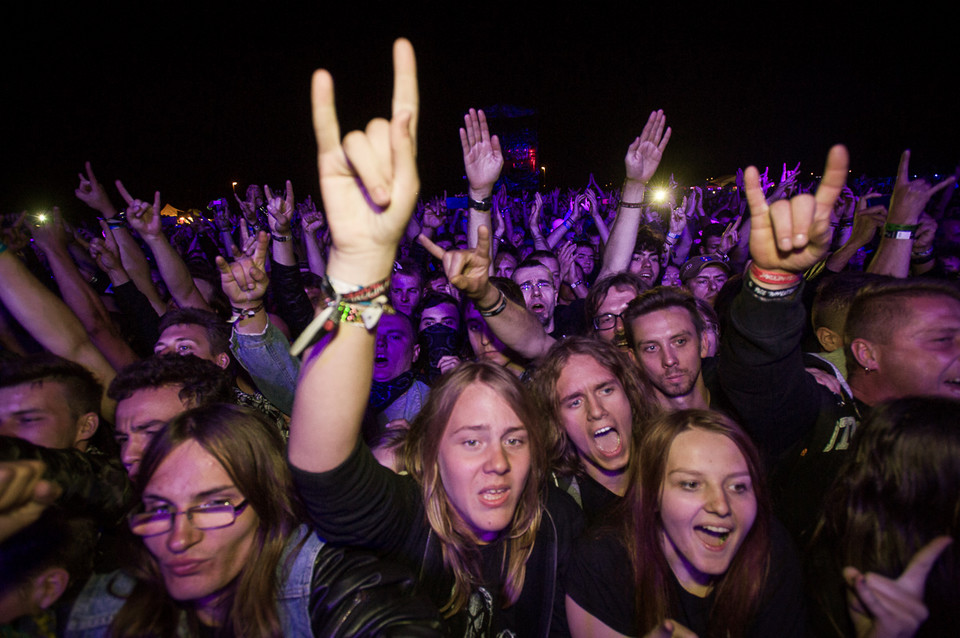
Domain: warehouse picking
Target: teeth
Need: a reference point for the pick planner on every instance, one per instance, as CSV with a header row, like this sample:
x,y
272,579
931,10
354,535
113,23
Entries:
x,y
716,530
602,431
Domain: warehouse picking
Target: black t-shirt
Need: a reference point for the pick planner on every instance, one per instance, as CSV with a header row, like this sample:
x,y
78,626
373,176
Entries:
x,y
569,320
364,504
600,580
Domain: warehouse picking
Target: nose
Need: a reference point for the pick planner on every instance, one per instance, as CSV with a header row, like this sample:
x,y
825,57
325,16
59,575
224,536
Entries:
x,y
130,454
595,409
536,291
669,357
183,535
164,350
497,462
717,502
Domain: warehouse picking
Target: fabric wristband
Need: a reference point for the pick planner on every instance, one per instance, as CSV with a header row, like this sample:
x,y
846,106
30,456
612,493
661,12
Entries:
x,y
900,231
773,278
239,313
631,204
279,238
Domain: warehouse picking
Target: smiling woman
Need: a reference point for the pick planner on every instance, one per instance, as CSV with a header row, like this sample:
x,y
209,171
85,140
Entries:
x,y
714,562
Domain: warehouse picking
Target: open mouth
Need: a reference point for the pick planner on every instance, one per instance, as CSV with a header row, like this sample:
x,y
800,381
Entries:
x,y
608,441
494,496
713,536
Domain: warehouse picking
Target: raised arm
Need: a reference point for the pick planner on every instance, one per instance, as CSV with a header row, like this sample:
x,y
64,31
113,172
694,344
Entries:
x,y
641,162
903,221
482,161
279,217
52,237
369,184
51,322
468,271
92,193
145,219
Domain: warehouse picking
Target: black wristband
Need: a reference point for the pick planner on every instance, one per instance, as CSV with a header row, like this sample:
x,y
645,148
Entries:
x,y
765,294
484,204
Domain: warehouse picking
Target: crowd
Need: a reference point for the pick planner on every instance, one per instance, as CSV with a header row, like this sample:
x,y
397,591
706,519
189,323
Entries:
x,y
727,410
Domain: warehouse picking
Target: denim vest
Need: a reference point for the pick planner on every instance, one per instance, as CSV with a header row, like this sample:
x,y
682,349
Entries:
x,y
105,594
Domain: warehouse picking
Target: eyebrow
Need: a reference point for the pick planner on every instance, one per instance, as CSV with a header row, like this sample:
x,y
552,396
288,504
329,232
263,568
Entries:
x,y
594,388
148,424
681,470
196,497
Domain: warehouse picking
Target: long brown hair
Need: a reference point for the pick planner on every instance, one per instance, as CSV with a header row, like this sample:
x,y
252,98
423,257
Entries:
x,y
643,405
251,451
460,545
737,593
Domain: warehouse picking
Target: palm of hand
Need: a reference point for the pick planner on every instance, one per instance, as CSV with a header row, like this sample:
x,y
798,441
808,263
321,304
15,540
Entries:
x,y
355,221
643,164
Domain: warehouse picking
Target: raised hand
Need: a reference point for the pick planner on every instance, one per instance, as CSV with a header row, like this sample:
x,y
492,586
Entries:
x,y
369,182
467,270
104,250
52,234
280,210
533,220
866,221
911,196
794,234
92,193
245,280
882,607
482,157
644,154
141,216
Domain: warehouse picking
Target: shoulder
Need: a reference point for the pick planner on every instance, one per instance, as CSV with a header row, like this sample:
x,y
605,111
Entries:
x,y
563,512
97,604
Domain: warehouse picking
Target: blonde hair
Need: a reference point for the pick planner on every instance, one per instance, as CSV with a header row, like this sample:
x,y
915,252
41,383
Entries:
x,y
460,546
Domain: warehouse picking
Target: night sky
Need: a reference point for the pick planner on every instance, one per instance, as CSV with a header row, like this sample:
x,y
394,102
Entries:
x,y
187,99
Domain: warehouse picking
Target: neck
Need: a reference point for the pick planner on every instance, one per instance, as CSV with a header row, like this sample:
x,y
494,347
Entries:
x,y
697,398
615,481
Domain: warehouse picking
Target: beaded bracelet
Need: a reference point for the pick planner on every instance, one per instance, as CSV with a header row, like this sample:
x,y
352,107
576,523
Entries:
x,y
348,304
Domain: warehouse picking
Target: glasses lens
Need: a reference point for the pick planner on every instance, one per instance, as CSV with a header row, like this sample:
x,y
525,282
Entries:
x,y
212,517
605,322
151,522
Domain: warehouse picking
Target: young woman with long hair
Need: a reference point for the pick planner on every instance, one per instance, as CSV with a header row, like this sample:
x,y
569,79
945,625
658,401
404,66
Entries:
x,y
472,516
224,552
695,548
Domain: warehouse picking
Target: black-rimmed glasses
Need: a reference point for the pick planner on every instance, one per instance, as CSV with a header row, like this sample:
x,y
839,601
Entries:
x,y
158,519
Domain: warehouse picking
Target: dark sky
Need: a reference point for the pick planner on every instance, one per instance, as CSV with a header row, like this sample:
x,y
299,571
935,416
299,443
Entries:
x,y
187,99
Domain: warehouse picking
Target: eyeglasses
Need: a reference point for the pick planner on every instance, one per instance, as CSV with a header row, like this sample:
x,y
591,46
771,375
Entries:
x,y
606,321
527,286
159,519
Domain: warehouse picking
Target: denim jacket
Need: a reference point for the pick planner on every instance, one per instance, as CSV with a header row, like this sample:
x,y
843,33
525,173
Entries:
x,y
105,594
267,358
